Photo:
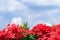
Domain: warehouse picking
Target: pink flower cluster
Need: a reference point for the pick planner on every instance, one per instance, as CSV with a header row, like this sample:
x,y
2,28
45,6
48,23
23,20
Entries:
x,y
43,32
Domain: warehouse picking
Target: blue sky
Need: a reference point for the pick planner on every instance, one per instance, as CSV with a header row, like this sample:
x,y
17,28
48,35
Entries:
x,y
32,11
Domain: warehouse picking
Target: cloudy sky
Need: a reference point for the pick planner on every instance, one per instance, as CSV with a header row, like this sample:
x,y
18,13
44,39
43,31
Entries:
x,y
32,11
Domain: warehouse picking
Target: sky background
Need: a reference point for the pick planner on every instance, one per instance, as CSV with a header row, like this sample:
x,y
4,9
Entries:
x,y
32,11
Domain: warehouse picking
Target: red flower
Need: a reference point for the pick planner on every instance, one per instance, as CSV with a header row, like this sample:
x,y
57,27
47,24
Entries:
x,y
55,35
42,31
12,31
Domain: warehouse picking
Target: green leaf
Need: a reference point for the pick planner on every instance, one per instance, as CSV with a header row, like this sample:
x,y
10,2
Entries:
x,y
25,26
35,36
28,38
24,38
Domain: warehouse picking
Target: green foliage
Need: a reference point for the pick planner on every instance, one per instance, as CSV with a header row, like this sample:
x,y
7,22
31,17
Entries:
x,y
28,37
25,26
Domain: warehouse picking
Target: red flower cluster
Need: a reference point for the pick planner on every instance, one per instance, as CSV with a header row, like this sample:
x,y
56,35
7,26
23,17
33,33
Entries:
x,y
42,31
55,34
11,32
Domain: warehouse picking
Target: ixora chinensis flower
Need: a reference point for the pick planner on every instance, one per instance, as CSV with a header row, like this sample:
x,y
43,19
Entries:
x,y
42,31
14,32
55,34
38,32
11,32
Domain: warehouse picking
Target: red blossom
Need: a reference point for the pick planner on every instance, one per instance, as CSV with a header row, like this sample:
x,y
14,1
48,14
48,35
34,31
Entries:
x,y
55,34
42,31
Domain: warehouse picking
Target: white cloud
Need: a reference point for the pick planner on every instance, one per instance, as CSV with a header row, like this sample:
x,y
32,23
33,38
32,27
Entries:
x,y
16,20
57,2
14,4
11,5
43,2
